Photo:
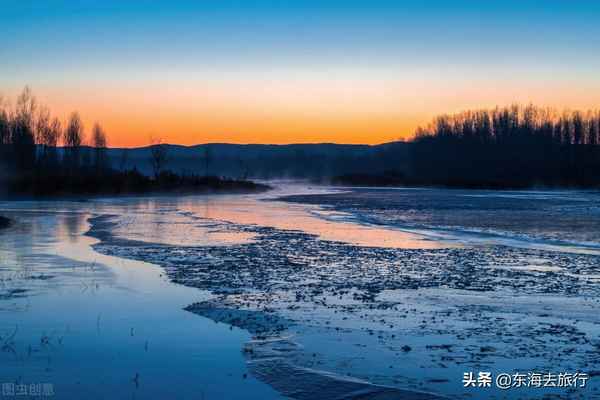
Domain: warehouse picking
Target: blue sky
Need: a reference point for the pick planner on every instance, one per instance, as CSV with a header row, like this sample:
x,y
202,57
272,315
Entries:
x,y
83,45
306,31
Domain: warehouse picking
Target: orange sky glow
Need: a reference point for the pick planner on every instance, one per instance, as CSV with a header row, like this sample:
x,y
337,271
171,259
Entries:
x,y
281,110
268,71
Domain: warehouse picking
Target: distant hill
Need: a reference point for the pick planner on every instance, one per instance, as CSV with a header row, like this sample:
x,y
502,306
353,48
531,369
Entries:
x,y
320,161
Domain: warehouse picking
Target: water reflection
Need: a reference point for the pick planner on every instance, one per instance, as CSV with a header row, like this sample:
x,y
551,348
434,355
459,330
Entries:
x,y
207,220
100,327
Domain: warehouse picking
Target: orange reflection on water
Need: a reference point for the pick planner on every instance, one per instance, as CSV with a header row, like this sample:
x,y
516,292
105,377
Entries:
x,y
247,210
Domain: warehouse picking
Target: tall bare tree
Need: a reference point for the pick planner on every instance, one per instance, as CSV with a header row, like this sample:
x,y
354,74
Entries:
x,y
5,140
4,127
42,125
26,107
53,136
55,133
22,130
42,133
99,143
73,139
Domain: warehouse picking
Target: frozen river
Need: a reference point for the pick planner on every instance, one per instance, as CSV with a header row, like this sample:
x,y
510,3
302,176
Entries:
x,y
300,292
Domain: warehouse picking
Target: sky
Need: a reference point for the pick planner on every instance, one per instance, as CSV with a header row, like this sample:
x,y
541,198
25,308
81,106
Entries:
x,y
297,71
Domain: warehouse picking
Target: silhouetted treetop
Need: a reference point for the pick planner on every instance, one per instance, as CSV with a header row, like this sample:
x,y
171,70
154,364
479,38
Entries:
x,y
514,146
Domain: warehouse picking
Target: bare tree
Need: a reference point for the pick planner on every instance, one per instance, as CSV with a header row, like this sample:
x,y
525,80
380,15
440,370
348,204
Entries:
x,y
99,143
5,140
4,128
22,130
158,156
55,133
26,107
42,125
42,132
52,137
73,139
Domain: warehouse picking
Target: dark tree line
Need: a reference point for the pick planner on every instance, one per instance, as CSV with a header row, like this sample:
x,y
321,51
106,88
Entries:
x,y
509,147
41,156
31,158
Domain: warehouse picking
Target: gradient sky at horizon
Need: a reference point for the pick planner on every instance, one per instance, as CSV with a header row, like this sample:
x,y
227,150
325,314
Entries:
x,y
267,71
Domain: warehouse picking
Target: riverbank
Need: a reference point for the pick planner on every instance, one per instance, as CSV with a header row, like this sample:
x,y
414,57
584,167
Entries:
x,y
130,183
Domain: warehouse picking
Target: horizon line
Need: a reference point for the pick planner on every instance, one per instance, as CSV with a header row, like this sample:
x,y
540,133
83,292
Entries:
x,y
249,144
